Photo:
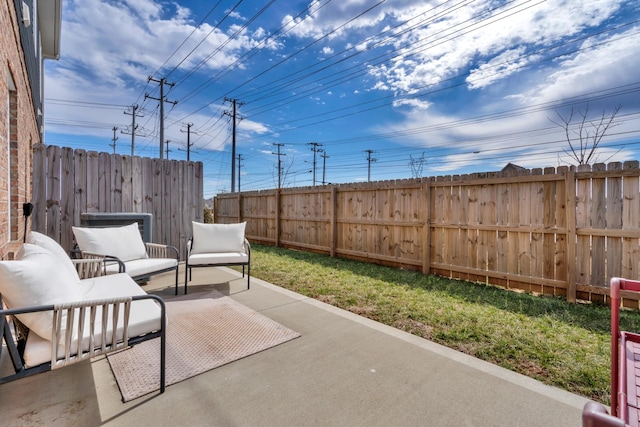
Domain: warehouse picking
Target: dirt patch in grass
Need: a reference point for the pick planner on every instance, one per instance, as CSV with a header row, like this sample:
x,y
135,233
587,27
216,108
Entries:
x,y
327,299
414,327
364,311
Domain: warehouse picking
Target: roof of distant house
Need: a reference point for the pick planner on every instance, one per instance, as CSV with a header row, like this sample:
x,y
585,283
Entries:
x,y
513,167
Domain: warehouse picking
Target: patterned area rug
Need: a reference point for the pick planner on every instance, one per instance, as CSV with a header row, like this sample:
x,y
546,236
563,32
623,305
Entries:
x,y
204,332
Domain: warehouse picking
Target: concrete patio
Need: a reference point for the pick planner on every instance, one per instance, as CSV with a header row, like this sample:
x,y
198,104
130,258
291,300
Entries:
x,y
344,370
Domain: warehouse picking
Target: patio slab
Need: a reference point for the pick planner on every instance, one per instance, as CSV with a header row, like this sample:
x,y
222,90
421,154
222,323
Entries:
x,y
345,370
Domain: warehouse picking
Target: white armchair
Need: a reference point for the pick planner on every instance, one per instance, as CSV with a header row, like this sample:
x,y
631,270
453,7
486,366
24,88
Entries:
x,y
216,245
127,252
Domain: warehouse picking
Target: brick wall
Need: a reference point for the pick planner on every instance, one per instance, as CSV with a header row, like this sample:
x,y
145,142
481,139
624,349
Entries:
x,y
18,132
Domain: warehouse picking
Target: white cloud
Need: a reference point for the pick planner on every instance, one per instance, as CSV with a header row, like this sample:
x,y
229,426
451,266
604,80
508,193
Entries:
x,y
499,67
412,102
449,44
113,42
610,63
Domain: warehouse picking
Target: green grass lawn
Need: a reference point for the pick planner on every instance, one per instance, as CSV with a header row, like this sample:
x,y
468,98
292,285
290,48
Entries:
x,y
546,338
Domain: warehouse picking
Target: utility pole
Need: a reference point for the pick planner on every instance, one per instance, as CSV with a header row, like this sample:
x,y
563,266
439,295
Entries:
x,y
239,165
279,164
233,138
189,144
134,127
114,139
369,161
167,148
315,149
162,82
324,167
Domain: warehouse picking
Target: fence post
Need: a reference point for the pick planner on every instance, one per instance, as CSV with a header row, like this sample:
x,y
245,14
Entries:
x,y
334,220
39,192
239,207
278,201
570,185
426,235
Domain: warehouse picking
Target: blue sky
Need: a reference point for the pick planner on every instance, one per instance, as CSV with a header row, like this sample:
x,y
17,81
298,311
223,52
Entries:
x,y
418,87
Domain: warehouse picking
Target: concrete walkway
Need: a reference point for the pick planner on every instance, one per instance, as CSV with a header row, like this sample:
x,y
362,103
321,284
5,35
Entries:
x,y
344,370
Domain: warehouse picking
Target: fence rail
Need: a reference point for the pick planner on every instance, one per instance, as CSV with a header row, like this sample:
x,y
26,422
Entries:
x,y
563,231
67,183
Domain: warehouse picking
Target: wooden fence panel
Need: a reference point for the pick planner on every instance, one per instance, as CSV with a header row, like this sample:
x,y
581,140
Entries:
x,y
631,217
93,196
186,212
67,199
614,222
473,221
127,183
39,189
549,189
536,195
104,187
137,184
53,192
563,231
116,184
455,213
439,237
76,181
80,183
598,222
158,189
583,247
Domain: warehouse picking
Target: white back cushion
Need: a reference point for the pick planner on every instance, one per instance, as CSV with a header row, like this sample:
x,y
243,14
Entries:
x,y
56,250
216,238
124,242
37,279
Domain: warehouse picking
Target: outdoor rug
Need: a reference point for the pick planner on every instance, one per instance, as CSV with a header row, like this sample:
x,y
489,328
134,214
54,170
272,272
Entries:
x,y
204,331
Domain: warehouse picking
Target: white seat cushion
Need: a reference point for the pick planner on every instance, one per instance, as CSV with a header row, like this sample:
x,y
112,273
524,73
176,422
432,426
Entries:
x,y
219,258
144,316
140,267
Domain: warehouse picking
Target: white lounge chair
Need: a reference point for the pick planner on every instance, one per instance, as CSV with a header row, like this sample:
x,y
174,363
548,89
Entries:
x,y
61,319
216,245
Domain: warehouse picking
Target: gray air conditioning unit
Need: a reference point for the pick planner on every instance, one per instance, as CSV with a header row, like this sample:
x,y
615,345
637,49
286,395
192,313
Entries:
x,y
107,219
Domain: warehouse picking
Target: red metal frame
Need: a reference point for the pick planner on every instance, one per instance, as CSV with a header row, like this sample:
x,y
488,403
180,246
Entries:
x,y
625,355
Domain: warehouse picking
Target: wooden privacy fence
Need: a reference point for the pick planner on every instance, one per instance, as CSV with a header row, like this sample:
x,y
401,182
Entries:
x,y
67,183
563,231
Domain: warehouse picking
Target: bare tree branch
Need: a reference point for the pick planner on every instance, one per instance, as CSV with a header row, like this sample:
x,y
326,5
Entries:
x,y
584,138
